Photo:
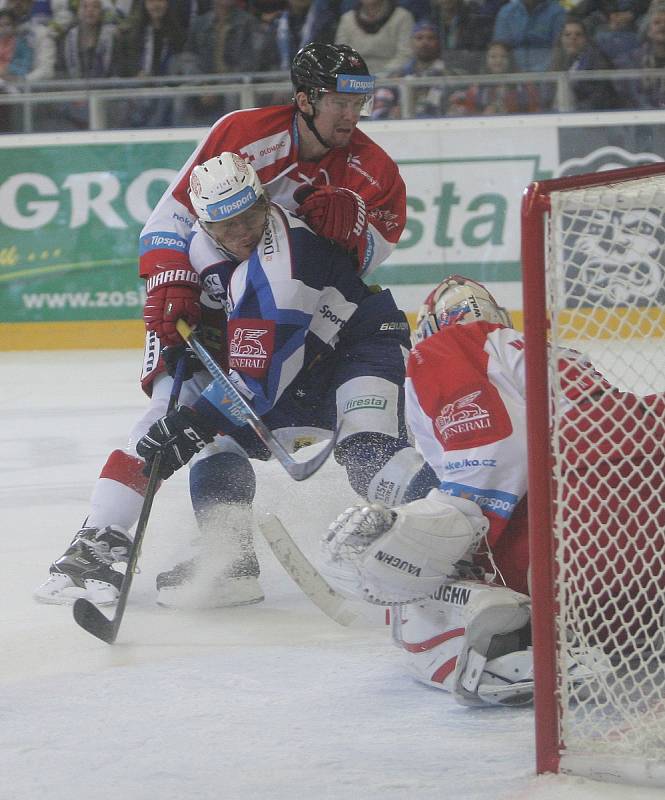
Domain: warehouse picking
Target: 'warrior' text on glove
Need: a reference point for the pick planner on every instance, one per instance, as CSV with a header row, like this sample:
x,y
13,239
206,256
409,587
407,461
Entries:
x,y
173,294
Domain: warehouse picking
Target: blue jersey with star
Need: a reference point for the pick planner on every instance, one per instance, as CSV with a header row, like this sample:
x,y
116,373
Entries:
x,y
288,305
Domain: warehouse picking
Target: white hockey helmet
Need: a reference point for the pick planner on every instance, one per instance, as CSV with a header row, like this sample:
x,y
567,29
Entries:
x,y
457,301
223,187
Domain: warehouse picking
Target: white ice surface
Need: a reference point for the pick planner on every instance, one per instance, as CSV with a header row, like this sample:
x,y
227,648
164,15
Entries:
x,y
269,702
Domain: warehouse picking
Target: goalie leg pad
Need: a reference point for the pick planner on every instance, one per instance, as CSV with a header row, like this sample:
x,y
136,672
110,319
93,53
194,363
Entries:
x,y
470,639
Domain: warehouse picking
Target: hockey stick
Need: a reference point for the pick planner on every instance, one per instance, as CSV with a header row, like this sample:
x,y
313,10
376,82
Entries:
x,y
86,613
304,573
236,408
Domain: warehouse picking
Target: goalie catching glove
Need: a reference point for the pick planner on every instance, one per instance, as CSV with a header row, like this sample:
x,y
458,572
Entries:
x,y
173,294
401,555
335,213
178,437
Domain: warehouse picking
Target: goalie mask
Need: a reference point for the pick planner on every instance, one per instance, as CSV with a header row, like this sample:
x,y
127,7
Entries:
x,y
457,301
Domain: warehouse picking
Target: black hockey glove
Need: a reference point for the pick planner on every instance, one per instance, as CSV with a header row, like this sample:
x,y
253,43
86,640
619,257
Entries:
x,y
178,437
171,356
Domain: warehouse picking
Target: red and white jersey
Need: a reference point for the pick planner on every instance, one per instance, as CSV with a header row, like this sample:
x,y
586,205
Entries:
x,y
465,403
268,138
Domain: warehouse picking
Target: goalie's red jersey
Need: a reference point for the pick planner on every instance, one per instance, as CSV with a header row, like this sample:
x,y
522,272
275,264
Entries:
x,y
268,138
465,403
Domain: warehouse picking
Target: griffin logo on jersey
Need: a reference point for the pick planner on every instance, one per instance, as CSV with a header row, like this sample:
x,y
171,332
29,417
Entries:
x,y
475,416
251,345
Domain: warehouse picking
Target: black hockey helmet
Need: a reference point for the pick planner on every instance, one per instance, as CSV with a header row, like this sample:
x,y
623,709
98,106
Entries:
x,y
320,67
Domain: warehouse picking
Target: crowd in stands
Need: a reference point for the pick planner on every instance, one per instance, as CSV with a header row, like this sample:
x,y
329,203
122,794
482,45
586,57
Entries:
x,y
45,40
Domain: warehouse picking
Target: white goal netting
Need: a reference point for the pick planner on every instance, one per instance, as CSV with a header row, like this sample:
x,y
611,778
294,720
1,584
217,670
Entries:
x,y
605,284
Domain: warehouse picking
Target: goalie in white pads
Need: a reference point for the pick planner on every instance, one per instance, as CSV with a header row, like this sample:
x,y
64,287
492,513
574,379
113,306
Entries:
x,y
465,404
464,636
460,632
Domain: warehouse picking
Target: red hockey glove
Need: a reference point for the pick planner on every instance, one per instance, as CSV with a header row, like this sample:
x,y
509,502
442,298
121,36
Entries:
x,y
335,213
173,294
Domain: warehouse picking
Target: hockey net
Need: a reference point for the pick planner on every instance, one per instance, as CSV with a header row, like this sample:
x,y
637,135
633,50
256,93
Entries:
x,y
593,252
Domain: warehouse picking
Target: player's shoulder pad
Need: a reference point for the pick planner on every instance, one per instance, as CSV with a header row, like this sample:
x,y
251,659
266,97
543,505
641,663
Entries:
x,y
239,129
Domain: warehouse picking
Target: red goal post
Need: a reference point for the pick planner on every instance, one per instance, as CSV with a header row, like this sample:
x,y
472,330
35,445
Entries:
x,y
593,260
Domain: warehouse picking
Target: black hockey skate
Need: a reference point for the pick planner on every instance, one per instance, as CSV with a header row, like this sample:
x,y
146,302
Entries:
x,y
195,584
93,567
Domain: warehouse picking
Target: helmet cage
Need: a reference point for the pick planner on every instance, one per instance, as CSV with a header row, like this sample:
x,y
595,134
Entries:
x,y
458,301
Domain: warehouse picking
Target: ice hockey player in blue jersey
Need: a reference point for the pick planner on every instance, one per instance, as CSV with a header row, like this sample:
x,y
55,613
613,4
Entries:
x,y
309,345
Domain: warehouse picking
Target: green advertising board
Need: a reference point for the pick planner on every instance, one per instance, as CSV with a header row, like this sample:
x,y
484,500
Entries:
x,y
72,207
71,218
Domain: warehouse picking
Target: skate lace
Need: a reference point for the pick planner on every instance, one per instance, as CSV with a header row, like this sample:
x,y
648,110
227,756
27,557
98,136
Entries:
x,y
104,554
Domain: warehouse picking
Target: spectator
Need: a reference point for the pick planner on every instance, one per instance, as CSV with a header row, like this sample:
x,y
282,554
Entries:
x,y
38,37
380,31
188,10
647,92
465,30
596,13
56,14
530,27
497,98
302,22
16,55
575,51
266,13
147,44
619,35
15,62
644,15
86,51
219,42
426,61
386,104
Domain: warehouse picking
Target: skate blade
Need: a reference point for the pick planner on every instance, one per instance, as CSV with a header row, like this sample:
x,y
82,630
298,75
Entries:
x,y
68,595
237,592
58,589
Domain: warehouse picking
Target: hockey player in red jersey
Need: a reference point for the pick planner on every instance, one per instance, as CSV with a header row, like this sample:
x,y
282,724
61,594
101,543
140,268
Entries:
x,y
465,404
311,158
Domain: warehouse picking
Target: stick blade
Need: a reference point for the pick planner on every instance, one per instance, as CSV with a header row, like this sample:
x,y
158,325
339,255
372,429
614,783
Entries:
x,y
301,470
91,619
304,573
